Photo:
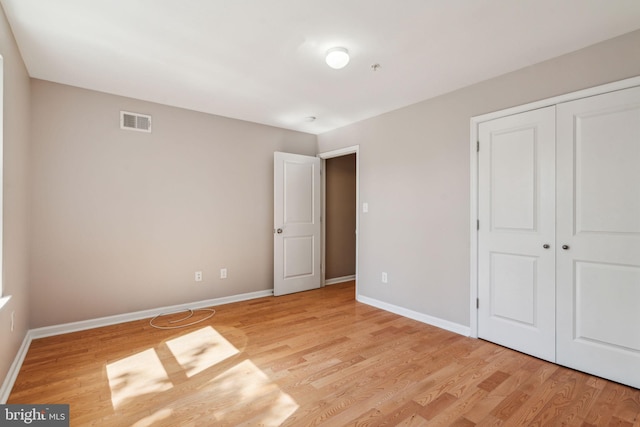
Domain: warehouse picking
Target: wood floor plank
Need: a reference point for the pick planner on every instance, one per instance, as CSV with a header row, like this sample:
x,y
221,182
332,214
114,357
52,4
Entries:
x,y
314,358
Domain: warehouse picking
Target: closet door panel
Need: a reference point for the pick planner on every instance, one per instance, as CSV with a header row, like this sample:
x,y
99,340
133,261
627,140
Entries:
x,y
598,221
516,263
607,151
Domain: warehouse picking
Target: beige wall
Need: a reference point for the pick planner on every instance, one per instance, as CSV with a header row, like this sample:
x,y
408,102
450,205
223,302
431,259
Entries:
x,y
121,220
15,188
414,173
340,208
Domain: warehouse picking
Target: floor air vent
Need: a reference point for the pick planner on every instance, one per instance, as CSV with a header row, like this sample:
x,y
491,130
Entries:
x,y
135,121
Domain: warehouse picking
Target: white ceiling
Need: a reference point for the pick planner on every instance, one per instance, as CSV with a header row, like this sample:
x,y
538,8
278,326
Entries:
x,y
263,60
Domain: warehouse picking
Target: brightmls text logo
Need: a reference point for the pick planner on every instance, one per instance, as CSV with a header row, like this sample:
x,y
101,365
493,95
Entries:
x,y
34,415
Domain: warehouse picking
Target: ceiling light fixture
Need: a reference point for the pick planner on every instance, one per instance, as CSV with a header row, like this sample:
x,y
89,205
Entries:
x,y
337,57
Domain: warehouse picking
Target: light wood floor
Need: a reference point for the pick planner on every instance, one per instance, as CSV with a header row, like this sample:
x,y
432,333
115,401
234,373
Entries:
x,y
314,358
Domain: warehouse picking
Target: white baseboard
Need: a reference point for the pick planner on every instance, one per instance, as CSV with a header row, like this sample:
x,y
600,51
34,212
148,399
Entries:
x,y
420,317
65,328
342,279
14,369
48,331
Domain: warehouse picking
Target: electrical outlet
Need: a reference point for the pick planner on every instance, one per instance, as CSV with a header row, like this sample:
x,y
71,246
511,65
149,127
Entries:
x,y
223,273
385,278
198,276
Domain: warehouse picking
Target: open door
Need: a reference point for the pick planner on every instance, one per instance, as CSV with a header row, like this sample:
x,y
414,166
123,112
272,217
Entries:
x,y
296,228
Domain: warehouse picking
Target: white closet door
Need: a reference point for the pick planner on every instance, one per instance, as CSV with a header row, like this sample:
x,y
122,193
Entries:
x,y
516,251
598,278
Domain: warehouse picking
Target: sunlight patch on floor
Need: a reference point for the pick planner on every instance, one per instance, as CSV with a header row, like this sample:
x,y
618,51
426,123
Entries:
x,y
229,395
245,388
136,375
282,407
154,418
201,349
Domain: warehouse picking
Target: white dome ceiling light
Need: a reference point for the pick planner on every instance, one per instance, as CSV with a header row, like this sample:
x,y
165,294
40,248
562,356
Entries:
x,y
337,57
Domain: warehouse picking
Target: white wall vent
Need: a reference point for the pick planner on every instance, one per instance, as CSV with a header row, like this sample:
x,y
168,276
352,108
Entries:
x,y
135,121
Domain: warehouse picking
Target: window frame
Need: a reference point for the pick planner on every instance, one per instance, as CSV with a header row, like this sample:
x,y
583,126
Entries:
x,y
3,298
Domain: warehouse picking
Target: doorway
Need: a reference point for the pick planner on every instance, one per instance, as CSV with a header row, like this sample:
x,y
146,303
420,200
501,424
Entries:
x,y
340,186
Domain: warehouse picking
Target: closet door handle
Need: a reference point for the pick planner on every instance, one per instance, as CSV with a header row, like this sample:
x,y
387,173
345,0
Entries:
x,y
565,247
546,246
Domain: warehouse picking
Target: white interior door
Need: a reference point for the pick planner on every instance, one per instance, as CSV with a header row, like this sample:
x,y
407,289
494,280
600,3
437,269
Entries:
x,y
599,224
296,234
516,250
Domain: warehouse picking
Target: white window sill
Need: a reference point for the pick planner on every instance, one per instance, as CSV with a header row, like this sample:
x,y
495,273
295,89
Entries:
x,y
4,301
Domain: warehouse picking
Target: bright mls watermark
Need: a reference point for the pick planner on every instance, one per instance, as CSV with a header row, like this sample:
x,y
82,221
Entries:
x,y
34,415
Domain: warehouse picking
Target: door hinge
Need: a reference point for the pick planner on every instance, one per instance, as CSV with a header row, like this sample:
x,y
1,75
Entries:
x,y
477,146
477,224
477,302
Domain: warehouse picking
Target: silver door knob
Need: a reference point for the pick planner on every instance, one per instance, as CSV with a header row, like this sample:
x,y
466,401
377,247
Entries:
x,y
565,247
279,231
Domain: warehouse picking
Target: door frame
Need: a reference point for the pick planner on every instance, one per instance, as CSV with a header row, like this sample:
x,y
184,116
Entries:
x,y
354,149
473,166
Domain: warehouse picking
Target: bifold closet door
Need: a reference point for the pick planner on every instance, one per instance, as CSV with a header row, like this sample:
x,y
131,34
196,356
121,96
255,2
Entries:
x,y
516,246
598,231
